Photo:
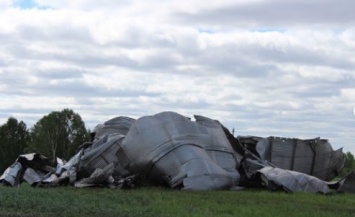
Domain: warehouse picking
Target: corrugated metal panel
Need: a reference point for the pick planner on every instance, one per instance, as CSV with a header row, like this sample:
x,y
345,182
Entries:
x,y
281,152
303,158
120,125
101,154
171,148
292,181
312,156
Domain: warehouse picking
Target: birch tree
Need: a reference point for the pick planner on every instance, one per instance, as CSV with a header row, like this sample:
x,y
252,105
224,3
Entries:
x,y
58,134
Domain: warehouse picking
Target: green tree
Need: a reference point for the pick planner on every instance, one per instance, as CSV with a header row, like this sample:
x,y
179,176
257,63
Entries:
x,y
349,164
14,136
58,134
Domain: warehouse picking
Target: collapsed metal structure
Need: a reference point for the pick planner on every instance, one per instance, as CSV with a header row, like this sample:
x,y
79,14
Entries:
x,y
311,156
172,150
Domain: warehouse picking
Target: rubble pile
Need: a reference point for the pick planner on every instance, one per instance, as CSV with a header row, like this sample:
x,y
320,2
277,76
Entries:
x,y
171,150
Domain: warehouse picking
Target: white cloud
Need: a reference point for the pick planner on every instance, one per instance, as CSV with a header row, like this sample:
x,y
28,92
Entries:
x,y
259,74
5,3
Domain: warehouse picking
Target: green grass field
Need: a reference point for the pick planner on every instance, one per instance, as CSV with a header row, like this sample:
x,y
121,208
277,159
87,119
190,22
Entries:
x,y
68,201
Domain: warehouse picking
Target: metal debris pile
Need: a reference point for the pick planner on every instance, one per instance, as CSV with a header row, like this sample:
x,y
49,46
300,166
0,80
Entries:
x,y
171,150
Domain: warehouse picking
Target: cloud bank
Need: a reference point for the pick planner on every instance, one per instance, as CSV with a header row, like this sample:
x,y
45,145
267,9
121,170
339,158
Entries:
x,y
282,68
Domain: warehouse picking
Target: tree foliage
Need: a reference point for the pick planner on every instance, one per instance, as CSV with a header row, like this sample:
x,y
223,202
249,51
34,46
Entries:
x,y
14,136
349,164
58,134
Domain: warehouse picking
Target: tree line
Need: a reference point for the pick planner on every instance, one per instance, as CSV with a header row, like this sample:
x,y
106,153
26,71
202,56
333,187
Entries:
x,y
59,134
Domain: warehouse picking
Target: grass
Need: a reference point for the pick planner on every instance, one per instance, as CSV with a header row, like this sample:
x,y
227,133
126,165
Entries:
x,y
68,201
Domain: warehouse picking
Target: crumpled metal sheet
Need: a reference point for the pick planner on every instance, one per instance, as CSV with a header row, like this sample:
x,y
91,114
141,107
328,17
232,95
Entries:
x,y
104,177
347,184
11,176
98,177
100,154
310,156
291,181
219,149
94,156
91,157
170,148
117,125
30,167
68,171
32,177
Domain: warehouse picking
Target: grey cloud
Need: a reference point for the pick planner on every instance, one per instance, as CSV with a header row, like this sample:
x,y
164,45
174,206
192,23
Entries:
x,y
94,59
292,85
78,88
314,91
84,57
3,63
322,88
87,101
298,55
60,74
15,83
161,61
303,123
138,37
32,111
255,60
237,64
231,57
169,105
28,115
75,45
67,84
64,38
120,110
276,13
56,34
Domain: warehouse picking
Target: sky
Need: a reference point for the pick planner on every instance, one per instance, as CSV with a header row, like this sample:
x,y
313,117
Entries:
x,y
261,67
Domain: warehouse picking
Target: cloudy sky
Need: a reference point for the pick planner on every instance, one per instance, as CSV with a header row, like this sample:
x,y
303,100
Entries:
x,y
262,67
